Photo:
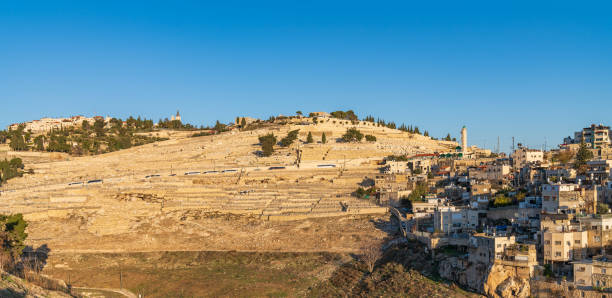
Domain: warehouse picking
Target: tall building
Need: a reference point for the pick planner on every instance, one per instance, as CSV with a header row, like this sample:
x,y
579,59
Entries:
x,y
177,117
464,140
597,136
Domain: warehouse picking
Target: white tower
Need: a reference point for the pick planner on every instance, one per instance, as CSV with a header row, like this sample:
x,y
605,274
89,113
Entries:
x,y
464,140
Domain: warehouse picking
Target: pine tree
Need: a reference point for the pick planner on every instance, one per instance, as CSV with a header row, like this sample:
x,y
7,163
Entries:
x,y
309,138
243,123
323,139
583,155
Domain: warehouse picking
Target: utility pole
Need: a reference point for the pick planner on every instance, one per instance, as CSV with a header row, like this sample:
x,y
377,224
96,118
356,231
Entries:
x,y
512,144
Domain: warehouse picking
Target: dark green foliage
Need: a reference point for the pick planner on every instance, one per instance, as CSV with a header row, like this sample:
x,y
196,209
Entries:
x,y
288,140
220,127
10,169
12,234
603,208
323,139
448,137
309,138
57,143
99,127
417,194
370,138
18,142
582,156
267,144
352,135
201,134
363,193
243,123
348,115
39,143
396,158
369,119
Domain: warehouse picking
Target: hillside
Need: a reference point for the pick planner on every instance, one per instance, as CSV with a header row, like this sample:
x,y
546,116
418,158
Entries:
x,y
209,193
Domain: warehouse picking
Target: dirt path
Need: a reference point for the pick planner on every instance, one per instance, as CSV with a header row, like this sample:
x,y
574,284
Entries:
x,y
123,292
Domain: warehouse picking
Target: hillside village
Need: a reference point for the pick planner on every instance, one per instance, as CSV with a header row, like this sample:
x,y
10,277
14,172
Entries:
x,y
526,224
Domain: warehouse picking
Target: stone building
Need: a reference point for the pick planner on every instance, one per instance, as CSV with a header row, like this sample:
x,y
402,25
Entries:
x,y
524,156
596,272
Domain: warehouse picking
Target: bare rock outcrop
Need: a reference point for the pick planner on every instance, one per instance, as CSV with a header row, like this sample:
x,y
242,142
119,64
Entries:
x,y
504,283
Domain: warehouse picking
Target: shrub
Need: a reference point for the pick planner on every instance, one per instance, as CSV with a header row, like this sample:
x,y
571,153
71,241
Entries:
x,y
309,139
267,144
352,135
288,140
370,138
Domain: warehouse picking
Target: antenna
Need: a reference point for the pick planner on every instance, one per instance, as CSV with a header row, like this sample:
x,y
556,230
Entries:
x,y
497,145
512,144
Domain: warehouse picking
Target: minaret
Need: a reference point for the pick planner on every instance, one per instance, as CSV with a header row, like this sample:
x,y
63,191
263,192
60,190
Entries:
x,y
178,116
464,140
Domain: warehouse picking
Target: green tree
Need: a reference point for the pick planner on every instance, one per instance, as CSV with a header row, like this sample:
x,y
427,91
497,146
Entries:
x,y
99,127
243,123
288,140
299,113
370,138
13,235
18,142
352,135
448,137
582,156
39,143
309,138
267,144
323,139
219,127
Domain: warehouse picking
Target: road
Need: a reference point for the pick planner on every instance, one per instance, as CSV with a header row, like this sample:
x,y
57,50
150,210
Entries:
x,y
123,292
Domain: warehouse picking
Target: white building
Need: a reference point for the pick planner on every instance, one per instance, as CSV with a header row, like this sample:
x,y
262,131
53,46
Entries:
x,y
449,219
523,156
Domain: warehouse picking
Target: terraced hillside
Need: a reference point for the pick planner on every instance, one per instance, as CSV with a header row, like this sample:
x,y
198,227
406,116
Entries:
x,y
163,196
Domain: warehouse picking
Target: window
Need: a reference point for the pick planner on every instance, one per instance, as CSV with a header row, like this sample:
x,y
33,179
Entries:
x,y
557,254
557,242
596,239
547,242
581,281
603,271
576,241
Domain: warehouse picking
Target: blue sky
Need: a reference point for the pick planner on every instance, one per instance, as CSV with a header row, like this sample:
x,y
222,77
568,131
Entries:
x,y
536,71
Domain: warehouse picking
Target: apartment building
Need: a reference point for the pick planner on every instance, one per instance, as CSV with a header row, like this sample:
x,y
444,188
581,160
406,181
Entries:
x,y
485,248
568,244
598,136
596,272
567,198
450,219
599,169
524,156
